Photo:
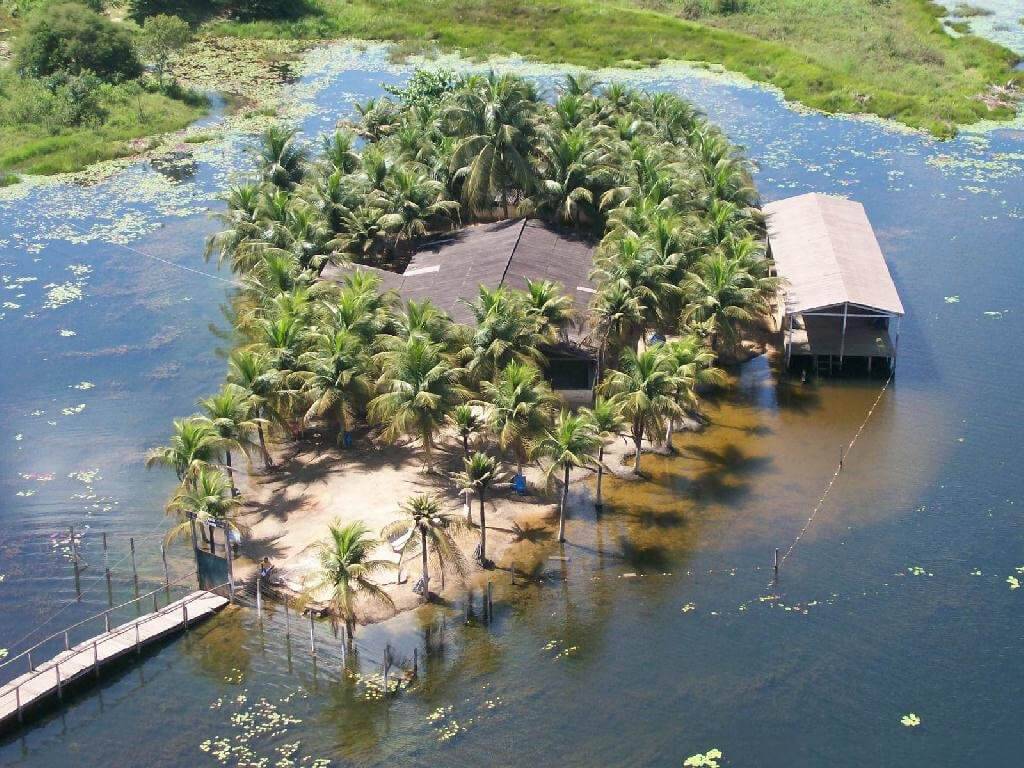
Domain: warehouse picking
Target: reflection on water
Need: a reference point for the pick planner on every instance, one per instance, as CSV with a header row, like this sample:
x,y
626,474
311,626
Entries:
x,y
652,634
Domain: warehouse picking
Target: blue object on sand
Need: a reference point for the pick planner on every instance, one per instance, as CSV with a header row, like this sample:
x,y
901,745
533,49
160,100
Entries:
x,y
347,439
519,484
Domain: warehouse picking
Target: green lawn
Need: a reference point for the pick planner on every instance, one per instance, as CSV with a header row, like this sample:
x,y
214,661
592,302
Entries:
x,y
887,57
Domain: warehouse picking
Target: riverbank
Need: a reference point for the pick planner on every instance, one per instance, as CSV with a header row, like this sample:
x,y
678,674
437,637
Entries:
x,y
890,59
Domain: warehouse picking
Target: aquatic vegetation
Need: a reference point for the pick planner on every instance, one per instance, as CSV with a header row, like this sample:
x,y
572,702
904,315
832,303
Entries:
x,y
910,720
1013,581
707,759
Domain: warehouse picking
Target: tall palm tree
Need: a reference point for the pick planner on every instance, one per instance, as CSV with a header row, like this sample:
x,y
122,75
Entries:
x,y
519,407
506,330
554,310
410,203
209,500
571,442
573,174
495,122
607,422
194,446
253,373
347,570
339,151
282,160
230,411
480,472
426,529
467,423
335,376
420,388
644,389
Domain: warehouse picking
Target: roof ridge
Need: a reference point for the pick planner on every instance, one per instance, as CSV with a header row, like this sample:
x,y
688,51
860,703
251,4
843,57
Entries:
x,y
512,252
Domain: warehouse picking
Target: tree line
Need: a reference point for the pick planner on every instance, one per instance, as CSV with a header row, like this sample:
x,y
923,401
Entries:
x,y
679,258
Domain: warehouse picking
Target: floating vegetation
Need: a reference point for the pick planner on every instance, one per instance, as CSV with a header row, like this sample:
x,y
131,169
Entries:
x,y
688,607
72,410
952,299
66,332
916,570
910,720
1013,581
563,649
707,759
370,687
447,726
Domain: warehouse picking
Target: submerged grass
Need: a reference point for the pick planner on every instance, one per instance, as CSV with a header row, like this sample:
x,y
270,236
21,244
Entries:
x,y
886,57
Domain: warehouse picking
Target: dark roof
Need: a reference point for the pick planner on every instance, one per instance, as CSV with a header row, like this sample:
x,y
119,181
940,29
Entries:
x,y
450,269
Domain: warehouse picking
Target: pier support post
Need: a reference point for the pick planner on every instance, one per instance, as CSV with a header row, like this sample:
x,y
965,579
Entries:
x,y
17,703
74,561
259,599
60,684
95,660
776,565
167,573
106,570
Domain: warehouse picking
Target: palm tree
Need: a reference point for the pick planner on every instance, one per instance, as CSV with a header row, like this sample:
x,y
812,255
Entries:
x,y
434,528
282,161
570,443
574,175
335,376
693,366
495,121
346,572
410,203
208,500
420,388
554,310
339,151
194,446
257,378
645,391
467,423
479,473
726,292
519,408
607,422
231,413
506,330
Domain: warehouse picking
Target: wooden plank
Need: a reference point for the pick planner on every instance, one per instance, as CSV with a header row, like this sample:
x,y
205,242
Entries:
x,y
81,660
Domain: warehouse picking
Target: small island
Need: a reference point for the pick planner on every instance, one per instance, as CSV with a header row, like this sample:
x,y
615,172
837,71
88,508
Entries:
x,y
413,390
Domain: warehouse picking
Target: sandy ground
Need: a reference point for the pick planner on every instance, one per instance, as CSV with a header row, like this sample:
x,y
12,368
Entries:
x,y
289,508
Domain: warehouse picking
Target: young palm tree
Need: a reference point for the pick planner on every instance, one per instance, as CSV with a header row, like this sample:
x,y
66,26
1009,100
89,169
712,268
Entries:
x,y
257,378
347,571
194,446
209,499
282,161
479,473
726,292
693,366
506,331
519,407
335,376
607,422
553,309
571,442
426,529
410,203
339,151
574,175
230,412
420,388
645,391
466,422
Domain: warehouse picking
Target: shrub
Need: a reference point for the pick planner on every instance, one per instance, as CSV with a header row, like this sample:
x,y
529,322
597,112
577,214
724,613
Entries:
x,y
162,37
69,37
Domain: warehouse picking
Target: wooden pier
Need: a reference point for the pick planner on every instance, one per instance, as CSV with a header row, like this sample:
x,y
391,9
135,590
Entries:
x,y
47,682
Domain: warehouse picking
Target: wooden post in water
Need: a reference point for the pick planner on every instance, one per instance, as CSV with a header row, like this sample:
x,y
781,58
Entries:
x,y
841,457
312,640
490,603
95,660
387,666
259,599
287,619
74,561
167,574
195,548
17,702
135,572
60,686
231,566
67,646
106,570
776,565
416,662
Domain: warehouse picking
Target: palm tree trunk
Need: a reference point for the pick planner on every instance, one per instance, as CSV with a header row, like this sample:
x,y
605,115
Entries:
x,y
638,438
668,433
341,424
561,506
483,531
267,460
600,475
465,444
428,455
426,575
231,473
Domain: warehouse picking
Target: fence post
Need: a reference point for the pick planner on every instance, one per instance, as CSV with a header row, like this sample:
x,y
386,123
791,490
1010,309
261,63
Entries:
x,y
312,642
31,666
95,660
155,609
67,646
60,687
287,619
17,701
138,647
776,565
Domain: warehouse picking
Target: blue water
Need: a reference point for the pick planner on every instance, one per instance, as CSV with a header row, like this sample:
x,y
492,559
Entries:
x,y
600,660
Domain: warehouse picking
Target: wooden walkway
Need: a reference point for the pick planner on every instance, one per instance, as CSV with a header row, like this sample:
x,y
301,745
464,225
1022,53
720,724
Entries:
x,y
25,695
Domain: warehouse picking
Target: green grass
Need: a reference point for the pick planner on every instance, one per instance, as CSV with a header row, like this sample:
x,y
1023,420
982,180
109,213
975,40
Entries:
x,y
33,149
8,179
886,57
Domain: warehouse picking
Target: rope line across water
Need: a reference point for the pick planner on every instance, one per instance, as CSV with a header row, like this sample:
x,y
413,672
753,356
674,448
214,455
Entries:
x,y
835,475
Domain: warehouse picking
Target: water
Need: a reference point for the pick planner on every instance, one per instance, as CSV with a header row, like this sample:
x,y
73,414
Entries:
x,y
651,642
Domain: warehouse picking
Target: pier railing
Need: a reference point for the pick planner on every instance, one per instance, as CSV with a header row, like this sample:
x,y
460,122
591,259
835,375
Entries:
x,y
143,600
